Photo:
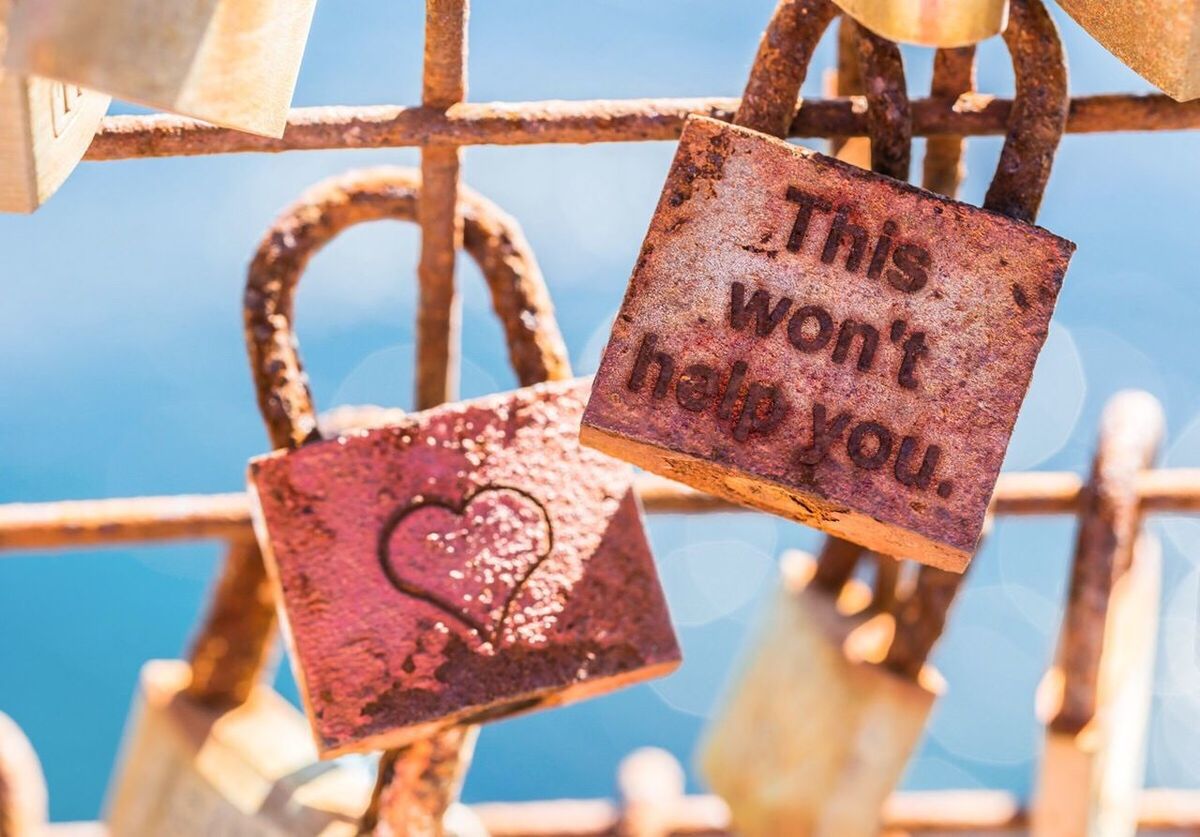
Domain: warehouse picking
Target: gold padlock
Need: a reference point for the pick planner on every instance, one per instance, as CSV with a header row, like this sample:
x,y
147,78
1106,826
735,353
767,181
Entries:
x,y
45,128
936,23
1155,38
230,62
819,726
829,344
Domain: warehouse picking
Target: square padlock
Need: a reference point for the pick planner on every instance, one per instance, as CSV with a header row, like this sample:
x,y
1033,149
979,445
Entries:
x,y
825,343
471,562
230,62
45,128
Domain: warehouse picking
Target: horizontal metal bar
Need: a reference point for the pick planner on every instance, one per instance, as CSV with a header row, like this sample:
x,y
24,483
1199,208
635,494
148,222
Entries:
x,y
601,120
77,523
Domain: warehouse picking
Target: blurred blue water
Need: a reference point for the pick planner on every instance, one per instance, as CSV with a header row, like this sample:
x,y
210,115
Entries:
x,y
124,374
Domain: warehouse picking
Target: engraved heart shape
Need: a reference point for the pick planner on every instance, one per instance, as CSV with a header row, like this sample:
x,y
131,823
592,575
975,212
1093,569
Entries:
x,y
469,560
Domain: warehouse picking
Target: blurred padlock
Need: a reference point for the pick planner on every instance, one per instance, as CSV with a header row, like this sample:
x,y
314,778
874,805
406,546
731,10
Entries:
x,y
828,344
23,800
935,23
467,563
230,62
1096,698
819,726
45,128
188,768
1157,39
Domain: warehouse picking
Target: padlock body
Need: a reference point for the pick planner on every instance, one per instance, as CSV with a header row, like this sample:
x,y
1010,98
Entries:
x,y
45,128
250,771
230,62
471,562
825,343
811,741
934,23
1157,39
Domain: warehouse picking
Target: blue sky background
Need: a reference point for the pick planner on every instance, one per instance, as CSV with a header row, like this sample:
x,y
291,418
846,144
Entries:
x,y
124,373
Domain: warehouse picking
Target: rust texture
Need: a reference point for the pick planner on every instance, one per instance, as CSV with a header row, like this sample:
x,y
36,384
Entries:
x,y
846,80
233,646
920,619
757,271
518,291
418,783
444,84
1039,112
953,76
1111,516
836,564
598,120
889,116
74,524
772,92
469,562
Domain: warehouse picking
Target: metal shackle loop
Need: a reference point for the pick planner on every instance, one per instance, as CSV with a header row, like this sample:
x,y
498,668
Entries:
x,y
1039,112
494,240
769,101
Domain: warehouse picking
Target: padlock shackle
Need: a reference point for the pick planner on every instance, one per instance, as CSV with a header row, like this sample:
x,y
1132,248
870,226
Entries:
x,y
1039,112
1035,125
493,239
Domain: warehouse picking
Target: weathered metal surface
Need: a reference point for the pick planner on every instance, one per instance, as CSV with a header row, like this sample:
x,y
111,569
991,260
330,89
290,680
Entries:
x,y
1157,38
766,353
472,562
936,23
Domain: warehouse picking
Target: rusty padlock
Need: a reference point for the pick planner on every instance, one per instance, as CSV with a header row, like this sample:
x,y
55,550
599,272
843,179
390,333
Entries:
x,y
230,62
468,563
819,726
1154,38
1096,699
45,127
23,798
828,344
935,23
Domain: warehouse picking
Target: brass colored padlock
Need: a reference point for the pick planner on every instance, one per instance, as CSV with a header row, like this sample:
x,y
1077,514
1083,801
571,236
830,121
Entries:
x,y
935,23
1155,38
45,128
818,728
829,344
192,769
230,62
466,563
23,800
1096,699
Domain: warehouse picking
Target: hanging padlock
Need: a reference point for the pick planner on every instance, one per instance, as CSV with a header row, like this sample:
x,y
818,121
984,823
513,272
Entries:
x,y
1154,38
45,127
230,62
828,344
470,562
23,799
935,23
818,728
190,769
1096,699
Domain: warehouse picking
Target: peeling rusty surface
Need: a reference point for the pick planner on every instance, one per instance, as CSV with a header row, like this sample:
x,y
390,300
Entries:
x,y
418,783
889,117
389,650
1039,112
953,76
1131,430
772,92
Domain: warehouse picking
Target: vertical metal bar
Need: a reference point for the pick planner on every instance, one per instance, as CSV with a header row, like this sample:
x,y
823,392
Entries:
x,y
953,75
438,312
416,784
